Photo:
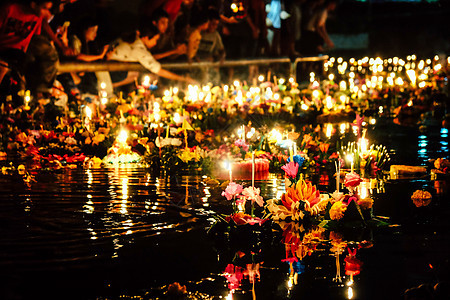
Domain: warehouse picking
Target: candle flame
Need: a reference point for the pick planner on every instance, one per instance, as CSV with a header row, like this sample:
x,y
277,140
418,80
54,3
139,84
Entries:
x,y
122,137
88,112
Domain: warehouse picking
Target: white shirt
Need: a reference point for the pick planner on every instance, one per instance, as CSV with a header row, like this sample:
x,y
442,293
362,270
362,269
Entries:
x,y
135,52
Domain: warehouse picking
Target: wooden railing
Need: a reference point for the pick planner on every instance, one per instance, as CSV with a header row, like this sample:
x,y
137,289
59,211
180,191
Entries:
x,y
112,66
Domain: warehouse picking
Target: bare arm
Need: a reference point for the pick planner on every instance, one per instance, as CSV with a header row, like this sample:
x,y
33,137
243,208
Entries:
x,y
48,30
180,49
167,74
89,57
322,31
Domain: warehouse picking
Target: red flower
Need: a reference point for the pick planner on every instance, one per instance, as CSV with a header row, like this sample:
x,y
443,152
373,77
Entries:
x,y
209,132
71,134
234,275
241,218
49,135
352,264
334,155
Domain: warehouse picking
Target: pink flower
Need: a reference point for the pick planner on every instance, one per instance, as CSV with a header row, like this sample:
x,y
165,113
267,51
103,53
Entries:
x,y
251,193
232,190
241,200
241,143
352,180
234,275
291,169
349,199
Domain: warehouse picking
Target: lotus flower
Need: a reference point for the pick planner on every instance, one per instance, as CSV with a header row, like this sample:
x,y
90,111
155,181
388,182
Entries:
x,y
278,212
298,200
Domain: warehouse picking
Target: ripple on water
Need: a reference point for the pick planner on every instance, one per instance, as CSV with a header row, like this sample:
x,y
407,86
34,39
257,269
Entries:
x,y
79,215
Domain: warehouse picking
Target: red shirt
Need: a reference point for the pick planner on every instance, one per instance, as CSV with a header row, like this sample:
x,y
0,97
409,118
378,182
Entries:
x,y
17,27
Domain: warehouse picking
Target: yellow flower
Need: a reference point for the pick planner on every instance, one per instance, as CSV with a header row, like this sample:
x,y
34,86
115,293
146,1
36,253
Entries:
x,y
259,152
186,155
337,210
22,137
21,169
96,162
98,138
4,170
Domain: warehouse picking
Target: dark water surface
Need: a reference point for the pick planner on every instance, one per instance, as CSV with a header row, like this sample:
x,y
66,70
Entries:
x,y
125,232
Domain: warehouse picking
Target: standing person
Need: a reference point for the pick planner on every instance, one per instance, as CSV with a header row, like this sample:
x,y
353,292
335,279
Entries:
x,y
314,37
135,48
257,14
274,26
315,34
83,43
211,47
239,33
293,31
199,23
165,47
18,24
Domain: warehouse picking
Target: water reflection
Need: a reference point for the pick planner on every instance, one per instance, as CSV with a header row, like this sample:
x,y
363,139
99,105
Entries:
x,y
154,224
422,152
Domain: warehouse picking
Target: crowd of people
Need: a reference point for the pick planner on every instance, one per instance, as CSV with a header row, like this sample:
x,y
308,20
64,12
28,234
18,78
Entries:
x,y
36,34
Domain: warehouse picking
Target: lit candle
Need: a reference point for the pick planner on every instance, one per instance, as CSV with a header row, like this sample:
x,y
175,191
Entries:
x,y
229,166
338,175
351,163
253,168
122,117
291,154
88,112
27,99
159,138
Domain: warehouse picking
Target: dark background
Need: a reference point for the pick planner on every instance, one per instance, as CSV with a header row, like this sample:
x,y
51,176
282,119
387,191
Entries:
x,y
394,28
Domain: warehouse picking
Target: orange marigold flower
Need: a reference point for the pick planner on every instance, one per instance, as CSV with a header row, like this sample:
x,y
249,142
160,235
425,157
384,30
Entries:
x,y
337,211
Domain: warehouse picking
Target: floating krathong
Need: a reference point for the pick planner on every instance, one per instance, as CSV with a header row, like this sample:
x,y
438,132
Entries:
x,y
300,201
